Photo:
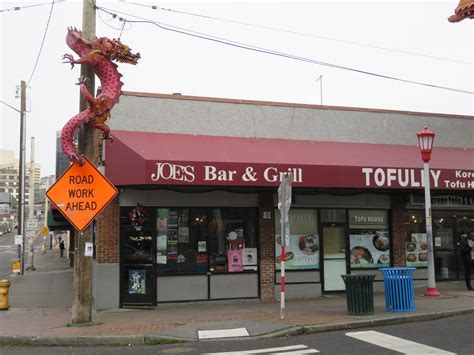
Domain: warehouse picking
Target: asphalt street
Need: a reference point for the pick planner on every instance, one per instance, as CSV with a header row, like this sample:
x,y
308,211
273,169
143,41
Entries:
x,y
9,251
451,335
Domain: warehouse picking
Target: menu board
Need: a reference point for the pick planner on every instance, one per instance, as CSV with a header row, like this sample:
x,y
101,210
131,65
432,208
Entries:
x,y
370,249
417,250
302,253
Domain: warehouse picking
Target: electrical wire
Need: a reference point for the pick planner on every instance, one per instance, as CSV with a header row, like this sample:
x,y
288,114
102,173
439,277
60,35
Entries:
x,y
121,29
271,52
42,43
17,8
155,7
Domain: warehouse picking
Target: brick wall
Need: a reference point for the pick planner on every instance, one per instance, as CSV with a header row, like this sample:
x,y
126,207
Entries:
x,y
107,238
267,247
400,217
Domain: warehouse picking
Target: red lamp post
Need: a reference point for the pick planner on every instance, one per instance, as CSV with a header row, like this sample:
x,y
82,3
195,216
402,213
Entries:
x,y
425,142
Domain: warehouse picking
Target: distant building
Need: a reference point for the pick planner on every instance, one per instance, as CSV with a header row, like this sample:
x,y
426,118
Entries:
x,y
45,184
62,163
8,204
9,175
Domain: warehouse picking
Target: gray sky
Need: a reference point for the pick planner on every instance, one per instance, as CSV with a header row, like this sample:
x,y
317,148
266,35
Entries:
x,y
173,62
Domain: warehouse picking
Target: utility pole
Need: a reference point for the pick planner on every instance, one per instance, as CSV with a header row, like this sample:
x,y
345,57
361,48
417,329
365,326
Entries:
x,y
31,205
88,144
21,173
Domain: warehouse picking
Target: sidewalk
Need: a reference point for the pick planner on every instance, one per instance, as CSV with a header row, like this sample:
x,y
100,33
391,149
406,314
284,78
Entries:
x,y
40,309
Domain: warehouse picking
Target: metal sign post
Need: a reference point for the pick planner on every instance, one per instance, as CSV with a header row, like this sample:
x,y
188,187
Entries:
x,y
284,203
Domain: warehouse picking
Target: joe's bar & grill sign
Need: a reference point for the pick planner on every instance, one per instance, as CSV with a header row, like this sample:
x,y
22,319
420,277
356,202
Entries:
x,y
239,174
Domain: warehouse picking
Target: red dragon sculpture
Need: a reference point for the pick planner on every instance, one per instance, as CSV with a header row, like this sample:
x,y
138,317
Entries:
x,y
99,54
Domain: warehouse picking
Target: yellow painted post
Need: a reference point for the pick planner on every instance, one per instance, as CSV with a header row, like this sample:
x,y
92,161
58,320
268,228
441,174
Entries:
x,y
4,286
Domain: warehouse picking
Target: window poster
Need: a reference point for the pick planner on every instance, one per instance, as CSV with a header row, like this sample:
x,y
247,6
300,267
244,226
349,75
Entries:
x,y
202,246
172,233
160,259
417,250
136,282
183,235
302,253
172,250
370,249
234,260
161,242
161,225
249,256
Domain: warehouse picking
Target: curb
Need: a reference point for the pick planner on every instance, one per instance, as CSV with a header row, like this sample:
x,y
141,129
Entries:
x,y
149,339
112,340
319,328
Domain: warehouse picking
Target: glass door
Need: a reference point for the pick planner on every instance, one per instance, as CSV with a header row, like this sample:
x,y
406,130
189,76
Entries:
x,y
138,282
334,257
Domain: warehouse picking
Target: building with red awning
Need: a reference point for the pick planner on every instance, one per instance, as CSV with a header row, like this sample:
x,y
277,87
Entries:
x,y
197,217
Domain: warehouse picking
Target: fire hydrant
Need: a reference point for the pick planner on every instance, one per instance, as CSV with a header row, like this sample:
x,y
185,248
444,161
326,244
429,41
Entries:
x,y
4,286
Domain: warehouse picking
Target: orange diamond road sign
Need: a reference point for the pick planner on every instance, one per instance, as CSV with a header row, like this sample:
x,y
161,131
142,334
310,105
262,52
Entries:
x,y
81,193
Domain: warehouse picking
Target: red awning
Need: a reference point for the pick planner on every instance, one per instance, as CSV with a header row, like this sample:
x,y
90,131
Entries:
x,y
146,158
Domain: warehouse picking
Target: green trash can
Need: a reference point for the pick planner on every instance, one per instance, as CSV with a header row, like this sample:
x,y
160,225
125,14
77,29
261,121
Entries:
x,y
359,293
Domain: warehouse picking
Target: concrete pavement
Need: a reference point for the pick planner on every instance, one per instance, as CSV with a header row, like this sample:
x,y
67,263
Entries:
x,y
41,310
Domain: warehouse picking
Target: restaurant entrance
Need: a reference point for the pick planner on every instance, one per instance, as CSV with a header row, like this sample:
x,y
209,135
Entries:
x,y
138,281
334,256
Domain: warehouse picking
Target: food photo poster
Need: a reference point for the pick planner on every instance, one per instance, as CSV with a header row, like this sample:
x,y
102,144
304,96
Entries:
x,y
370,249
417,250
302,253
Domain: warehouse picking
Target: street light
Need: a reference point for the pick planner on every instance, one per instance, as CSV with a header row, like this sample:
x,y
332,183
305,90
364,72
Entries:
x,y
425,142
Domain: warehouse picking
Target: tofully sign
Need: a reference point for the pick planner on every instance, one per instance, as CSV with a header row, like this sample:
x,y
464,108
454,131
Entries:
x,y
81,193
258,174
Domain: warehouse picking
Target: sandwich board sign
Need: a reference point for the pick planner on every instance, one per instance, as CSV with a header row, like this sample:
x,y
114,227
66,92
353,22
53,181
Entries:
x,y
81,193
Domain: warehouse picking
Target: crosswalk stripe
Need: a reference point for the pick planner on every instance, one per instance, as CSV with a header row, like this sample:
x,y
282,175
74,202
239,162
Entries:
x,y
222,333
396,344
297,352
299,349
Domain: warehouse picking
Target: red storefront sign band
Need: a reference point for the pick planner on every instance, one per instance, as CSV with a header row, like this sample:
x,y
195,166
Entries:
x,y
240,174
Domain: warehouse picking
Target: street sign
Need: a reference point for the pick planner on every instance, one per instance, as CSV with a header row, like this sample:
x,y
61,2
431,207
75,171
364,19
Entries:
x,y
18,239
44,230
284,203
284,193
31,224
16,267
81,193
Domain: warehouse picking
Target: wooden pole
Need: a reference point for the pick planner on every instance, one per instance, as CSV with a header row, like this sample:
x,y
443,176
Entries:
x,y
21,201
88,144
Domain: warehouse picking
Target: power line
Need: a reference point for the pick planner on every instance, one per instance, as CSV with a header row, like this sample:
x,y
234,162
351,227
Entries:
x,y
17,8
121,29
42,43
155,7
271,52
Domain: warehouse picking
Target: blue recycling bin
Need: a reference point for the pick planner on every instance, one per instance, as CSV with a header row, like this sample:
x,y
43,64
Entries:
x,y
399,289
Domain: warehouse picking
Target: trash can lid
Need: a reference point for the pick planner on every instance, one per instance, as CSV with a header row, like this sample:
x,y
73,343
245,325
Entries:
x,y
396,268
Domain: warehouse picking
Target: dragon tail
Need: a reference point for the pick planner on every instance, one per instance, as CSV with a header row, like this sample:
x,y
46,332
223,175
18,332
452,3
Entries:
x,y
68,133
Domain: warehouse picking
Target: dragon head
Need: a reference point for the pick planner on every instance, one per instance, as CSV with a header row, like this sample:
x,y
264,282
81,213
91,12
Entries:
x,y
76,41
115,50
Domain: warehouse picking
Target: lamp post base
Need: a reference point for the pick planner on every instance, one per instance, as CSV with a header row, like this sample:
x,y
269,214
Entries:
x,y
432,292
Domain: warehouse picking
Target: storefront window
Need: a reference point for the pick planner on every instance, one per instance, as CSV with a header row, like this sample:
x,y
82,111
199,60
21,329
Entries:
x,y
303,249
178,235
416,245
197,240
232,240
369,239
